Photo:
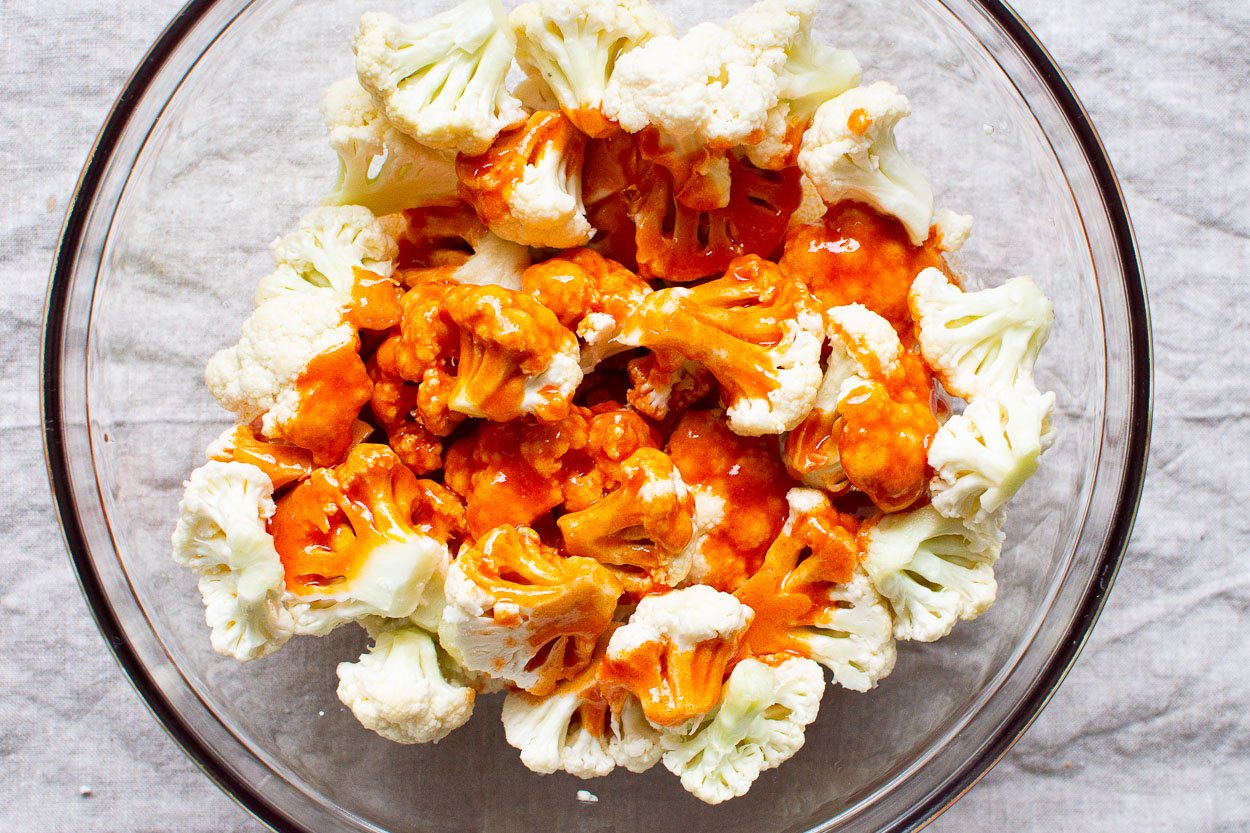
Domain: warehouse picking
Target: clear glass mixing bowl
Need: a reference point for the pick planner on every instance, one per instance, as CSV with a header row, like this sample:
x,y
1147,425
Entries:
x,y
216,147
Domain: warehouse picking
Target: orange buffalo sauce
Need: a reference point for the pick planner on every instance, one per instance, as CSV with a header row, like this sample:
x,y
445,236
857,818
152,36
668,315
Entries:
x,y
744,472
791,589
857,255
375,302
332,389
281,463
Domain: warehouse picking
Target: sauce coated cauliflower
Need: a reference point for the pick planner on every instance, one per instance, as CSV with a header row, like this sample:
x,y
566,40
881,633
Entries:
x,y
630,394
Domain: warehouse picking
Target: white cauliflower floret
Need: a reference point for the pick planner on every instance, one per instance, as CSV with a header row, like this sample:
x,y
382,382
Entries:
x,y
980,343
706,88
562,376
984,455
551,737
854,636
257,376
221,535
398,687
321,256
951,230
635,743
441,80
932,570
379,167
758,725
850,153
574,45
811,75
685,618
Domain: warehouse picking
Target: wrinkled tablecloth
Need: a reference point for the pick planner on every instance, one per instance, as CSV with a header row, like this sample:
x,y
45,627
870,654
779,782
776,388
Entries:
x,y
1151,731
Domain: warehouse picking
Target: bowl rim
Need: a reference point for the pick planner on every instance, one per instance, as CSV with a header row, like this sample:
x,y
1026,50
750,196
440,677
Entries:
x,y
1009,732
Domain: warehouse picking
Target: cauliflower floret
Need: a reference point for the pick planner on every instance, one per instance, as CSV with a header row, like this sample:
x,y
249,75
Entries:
x,y
984,455
395,406
699,95
297,369
850,153
812,599
673,652
527,187
680,242
863,346
590,295
811,75
356,541
666,382
932,570
221,535
515,472
323,256
758,725
739,487
950,230
379,167
519,611
426,355
857,255
579,729
757,333
433,243
441,80
399,689
573,46
980,343
643,526
514,357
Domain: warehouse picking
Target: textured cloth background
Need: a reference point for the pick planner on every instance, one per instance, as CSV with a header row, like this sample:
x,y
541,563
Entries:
x,y
1151,731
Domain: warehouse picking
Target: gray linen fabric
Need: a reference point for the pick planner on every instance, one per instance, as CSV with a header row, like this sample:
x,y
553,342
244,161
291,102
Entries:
x,y
1151,731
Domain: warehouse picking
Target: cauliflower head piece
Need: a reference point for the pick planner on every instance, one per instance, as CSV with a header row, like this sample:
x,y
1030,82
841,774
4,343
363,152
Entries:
x,y
812,74
449,244
527,187
519,611
757,333
282,463
380,168
403,687
983,456
673,652
739,486
640,530
812,599
573,47
590,295
931,569
850,153
221,535
296,368
581,728
441,81
356,541
759,724
982,342
514,357
326,255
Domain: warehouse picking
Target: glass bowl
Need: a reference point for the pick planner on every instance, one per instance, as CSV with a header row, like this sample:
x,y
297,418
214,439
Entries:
x,y
216,147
